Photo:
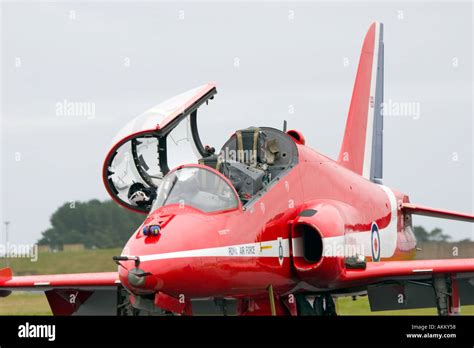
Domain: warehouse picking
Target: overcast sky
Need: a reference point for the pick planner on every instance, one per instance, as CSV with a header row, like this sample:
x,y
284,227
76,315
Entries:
x,y
272,61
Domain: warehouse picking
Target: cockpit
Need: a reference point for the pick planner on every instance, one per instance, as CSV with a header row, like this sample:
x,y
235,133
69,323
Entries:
x,y
137,172
253,158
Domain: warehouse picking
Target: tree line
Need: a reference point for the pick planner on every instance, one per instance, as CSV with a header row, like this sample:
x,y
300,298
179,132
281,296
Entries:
x,y
94,223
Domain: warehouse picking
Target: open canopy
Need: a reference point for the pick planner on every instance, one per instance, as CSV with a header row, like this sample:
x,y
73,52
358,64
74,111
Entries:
x,y
139,152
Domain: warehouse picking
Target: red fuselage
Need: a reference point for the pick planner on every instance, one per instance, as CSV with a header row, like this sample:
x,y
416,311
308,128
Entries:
x,y
241,252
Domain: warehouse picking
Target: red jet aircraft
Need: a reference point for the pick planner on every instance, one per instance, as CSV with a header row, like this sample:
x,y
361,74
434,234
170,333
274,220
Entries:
x,y
265,226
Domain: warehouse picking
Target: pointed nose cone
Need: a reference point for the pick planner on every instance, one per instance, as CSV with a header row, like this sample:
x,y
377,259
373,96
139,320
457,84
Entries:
x,y
140,281
172,260
137,277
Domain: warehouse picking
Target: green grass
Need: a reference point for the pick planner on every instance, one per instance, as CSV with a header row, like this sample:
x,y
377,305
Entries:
x,y
99,260
23,303
35,303
347,306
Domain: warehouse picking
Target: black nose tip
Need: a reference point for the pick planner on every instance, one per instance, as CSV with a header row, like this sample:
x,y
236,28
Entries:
x,y
137,277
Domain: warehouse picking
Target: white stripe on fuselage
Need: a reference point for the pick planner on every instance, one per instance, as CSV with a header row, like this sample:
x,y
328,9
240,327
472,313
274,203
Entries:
x,y
269,248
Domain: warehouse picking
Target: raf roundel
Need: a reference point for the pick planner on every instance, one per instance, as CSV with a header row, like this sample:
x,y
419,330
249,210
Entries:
x,y
375,238
280,251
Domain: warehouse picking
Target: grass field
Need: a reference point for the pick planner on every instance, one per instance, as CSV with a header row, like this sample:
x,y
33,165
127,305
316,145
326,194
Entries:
x,y
35,303
99,260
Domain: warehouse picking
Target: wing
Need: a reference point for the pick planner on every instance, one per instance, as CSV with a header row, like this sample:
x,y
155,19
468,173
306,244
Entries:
x,y
445,284
438,213
394,285
69,294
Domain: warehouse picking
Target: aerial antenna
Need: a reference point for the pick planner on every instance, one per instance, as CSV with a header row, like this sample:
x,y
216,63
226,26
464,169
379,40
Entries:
x,y
284,126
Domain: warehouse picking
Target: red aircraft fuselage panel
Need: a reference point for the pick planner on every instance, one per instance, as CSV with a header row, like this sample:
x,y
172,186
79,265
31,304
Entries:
x,y
242,251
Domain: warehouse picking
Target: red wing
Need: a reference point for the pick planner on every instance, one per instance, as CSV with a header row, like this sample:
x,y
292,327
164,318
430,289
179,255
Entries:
x,y
416,268
69,294
78,280
443,214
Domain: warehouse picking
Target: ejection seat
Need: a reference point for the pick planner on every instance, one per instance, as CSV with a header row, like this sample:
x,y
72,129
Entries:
x,y
248,160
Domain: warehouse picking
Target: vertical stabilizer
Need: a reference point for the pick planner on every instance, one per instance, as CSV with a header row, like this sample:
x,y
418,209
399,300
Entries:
x,y
362,145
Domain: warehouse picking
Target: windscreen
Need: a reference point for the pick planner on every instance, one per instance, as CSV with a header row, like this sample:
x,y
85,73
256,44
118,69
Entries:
x,y
196,187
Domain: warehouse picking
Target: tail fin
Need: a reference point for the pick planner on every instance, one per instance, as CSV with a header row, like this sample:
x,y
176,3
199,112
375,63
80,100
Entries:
x,y
361,149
